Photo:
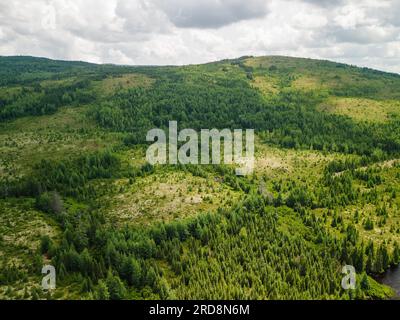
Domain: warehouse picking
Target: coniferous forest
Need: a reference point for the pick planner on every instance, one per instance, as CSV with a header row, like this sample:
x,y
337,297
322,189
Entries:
x,y
77,193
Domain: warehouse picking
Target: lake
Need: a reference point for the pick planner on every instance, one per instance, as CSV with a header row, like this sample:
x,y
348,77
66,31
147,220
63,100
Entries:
x,y
391,278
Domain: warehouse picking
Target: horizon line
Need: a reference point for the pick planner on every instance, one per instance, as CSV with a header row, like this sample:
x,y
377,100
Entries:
x,y
198,64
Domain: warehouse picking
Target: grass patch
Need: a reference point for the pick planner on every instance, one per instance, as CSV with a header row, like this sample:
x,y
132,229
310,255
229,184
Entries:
x,y
166,196
111,85
361,109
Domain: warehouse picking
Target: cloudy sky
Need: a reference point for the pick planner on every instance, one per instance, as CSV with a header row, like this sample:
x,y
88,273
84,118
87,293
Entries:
x,y
361,32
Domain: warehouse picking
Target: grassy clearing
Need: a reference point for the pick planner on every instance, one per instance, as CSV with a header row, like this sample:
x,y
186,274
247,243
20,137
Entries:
x,y
275,163
21,228
343,80
267,85
308,83
65,119
362,109
166,196
6,92
25,141
113,84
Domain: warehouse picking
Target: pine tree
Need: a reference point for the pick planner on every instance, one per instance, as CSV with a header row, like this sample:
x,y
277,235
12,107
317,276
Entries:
x,y
365,285
396,254
102,292
61,271
116,287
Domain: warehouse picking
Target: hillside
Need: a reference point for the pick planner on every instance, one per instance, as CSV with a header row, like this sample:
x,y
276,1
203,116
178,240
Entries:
x,y
76,191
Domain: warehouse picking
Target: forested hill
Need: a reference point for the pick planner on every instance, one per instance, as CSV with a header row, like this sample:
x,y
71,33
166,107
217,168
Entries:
x,y
77,193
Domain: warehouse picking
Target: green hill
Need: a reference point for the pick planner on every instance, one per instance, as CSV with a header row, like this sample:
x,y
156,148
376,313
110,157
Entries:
x,y
76,191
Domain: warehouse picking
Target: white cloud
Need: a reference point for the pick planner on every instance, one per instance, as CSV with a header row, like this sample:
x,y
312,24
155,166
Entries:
x,y
363,32
211,13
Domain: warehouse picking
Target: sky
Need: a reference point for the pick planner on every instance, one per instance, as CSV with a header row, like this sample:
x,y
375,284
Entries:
x,y
177,32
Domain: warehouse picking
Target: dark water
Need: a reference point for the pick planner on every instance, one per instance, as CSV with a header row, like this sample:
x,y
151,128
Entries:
x,y
391,278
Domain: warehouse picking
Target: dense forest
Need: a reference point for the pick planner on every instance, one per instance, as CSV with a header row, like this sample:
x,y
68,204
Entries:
x,y
76,191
